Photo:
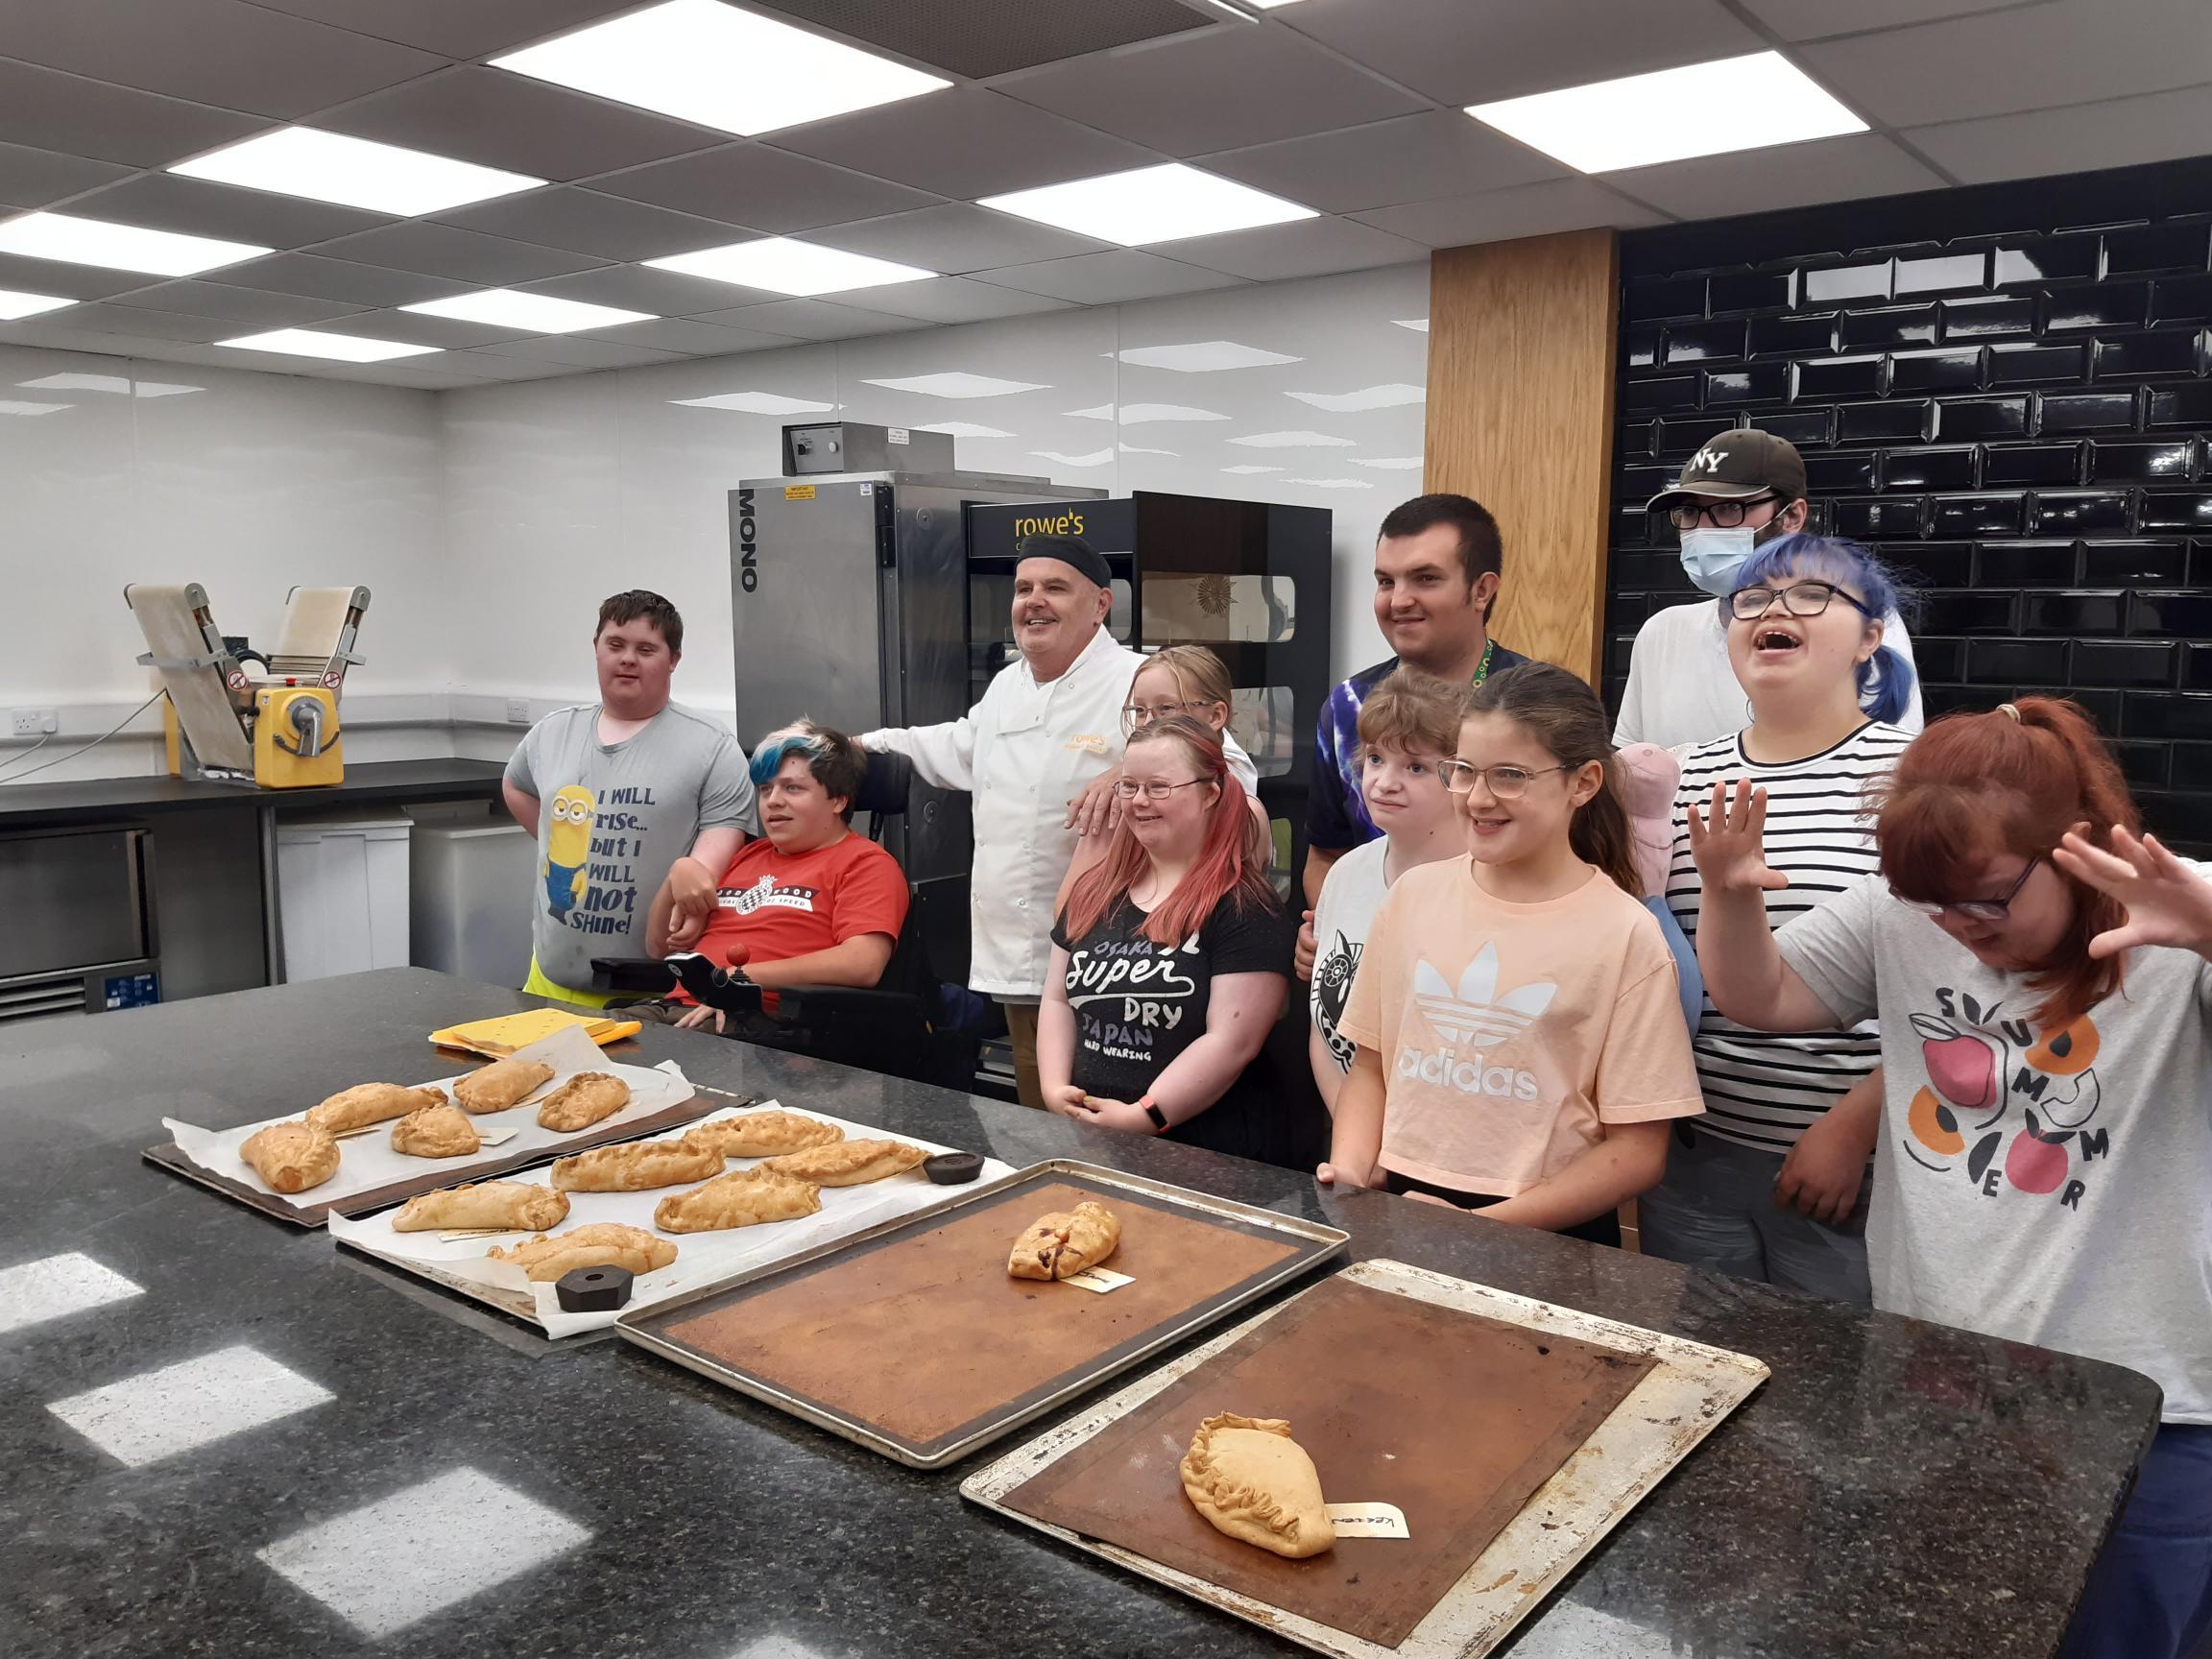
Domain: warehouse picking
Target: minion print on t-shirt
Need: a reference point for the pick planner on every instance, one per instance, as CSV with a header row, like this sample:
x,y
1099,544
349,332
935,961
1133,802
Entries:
x,y
568,848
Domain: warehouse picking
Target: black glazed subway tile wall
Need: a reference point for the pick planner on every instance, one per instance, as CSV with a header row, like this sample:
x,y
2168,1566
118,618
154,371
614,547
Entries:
x,y
2007,391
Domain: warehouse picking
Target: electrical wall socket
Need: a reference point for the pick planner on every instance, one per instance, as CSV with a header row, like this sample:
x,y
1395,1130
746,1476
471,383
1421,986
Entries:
x,y
519,711
34,722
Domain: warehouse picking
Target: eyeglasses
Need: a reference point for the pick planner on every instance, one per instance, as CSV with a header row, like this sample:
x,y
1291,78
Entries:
x,y
1720,514
1798,599
1974,910
1135,714
1128,788
1506,782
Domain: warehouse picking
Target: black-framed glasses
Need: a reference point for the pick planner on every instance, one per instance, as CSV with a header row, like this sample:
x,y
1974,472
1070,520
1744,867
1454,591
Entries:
x,y
1136,715
1152,790
1974,910
1506,782
1798,599
1720,514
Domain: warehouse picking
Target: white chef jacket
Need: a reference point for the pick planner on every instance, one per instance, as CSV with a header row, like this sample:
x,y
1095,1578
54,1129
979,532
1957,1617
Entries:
x,y
1025,752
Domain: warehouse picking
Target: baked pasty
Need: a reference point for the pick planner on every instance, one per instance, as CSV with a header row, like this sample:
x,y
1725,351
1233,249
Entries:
x,y
583,1100
601,1244
292,1157
741,1198
1254,1482
509,1206
1062,1244
636,1167
848,1163
502,1084
764,1133
367,1103
440,1131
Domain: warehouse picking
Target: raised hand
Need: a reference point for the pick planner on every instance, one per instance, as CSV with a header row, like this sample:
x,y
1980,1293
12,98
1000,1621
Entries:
x,y
1729,845
2166,902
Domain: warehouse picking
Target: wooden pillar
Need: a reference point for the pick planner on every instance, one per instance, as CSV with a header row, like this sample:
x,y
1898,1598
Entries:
x,y
1520,364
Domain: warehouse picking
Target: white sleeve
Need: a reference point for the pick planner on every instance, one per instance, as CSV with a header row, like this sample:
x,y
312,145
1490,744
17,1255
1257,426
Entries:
x,y
1635,719
943,755
1240,765
1913,717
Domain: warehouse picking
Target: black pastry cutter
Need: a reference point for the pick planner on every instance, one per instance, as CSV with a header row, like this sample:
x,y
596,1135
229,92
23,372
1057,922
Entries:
x,y
593,1290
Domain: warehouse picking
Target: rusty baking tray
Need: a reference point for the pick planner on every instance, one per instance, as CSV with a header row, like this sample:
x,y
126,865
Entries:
x,y
912,1340
1430,1434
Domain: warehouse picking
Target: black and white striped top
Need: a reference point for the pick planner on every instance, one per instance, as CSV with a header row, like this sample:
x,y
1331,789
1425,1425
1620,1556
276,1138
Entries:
x,y
1763,1087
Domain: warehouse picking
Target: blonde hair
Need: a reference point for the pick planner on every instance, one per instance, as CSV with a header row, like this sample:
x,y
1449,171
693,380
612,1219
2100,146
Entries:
x,y
1412,710
1199,676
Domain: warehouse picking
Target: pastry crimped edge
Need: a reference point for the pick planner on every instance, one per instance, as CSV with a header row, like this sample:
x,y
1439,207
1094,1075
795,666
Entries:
x,y
319,1141
724,1129
462,1088
1224,1502
583,1084
670,1217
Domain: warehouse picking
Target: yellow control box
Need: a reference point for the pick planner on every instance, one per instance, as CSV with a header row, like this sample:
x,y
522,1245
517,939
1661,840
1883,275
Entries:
x,y
296,742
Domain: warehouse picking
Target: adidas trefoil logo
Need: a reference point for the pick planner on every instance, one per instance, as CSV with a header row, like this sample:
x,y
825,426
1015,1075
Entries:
x,y
1478,1014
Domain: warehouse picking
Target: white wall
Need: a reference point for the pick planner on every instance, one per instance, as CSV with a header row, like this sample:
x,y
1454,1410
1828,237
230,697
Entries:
x,y
247,483
560,492
490,522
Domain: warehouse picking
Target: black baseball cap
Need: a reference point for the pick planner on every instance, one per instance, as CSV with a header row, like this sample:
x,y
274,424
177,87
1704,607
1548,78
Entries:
x,y
1071,550
1735,466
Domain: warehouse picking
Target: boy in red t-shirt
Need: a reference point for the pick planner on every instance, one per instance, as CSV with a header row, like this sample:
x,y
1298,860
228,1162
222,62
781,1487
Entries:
x,y
809,903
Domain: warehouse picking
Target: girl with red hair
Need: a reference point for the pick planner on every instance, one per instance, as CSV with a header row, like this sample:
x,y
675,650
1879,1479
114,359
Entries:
x,y
1170,960
2043,976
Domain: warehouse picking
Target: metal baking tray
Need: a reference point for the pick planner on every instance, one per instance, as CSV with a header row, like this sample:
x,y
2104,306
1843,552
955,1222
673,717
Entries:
x,y
1311,1243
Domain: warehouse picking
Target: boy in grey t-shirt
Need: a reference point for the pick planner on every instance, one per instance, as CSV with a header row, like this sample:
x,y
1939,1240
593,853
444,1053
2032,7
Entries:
x,y
619,792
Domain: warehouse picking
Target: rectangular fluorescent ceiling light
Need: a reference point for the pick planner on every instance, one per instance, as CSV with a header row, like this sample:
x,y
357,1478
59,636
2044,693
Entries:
x,y
1673,114
782,266
539,313
14,304
735,71
340,348
353,172
1150,204
76,241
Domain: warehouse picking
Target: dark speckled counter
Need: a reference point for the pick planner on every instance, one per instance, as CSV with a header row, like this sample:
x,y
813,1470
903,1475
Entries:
x,y
1895,1489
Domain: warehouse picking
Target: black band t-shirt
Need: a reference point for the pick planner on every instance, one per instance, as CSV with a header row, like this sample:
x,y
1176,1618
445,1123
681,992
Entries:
x,y
1139,1005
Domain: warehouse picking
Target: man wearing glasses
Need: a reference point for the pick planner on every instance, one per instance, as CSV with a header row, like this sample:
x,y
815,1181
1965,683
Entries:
x,y
1049,727
1739,492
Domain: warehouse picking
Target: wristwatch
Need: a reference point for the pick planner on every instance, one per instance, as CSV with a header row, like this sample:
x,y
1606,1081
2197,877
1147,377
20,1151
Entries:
x,y
1153,1112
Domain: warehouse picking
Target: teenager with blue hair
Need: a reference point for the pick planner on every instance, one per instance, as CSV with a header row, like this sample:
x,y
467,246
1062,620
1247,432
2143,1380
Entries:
x,y
1763,1185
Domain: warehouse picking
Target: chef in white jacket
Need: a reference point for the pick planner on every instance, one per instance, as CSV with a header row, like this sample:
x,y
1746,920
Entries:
x,y
1049,726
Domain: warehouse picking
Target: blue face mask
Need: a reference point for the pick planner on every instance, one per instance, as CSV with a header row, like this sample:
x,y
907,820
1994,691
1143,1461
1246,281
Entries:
x,y
1711,557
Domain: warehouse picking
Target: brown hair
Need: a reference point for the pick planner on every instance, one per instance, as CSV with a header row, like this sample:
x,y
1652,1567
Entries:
x,y
1412,710
1231,860
834,758
1974,787
1481,549
641,605
1199,676
1564,714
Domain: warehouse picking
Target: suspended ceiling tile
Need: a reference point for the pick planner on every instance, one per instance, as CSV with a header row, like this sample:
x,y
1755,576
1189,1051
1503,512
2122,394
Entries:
x,y
494,369
447,251
760,185
453,372
1220,90
1461,52
689,337
1524,210
965,142
330,278
1305,248
414,328
956,237
2025,58
249,307
1812,19
202,207
580,353
812,320
72,282
1411,158
980,38
57,336
587,222
502,120
1847,169
2157,127
457,28
113,318
34,177
49,111
958,300
219,52
1108,278
657,293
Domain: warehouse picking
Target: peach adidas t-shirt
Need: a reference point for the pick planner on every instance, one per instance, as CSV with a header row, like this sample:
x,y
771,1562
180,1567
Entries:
x,y
1510,1034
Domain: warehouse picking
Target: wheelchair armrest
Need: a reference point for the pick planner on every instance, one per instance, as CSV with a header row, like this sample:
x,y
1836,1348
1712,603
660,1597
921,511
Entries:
x,y
632,974
800,1004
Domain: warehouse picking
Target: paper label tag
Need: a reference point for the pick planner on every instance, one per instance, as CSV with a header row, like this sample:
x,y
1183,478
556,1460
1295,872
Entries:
x,y
798,492
1099,1279
496,1136
1367,1520
453,1233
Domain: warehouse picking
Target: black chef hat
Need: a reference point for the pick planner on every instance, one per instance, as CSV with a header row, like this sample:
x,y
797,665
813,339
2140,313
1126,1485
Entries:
x,y
1071,550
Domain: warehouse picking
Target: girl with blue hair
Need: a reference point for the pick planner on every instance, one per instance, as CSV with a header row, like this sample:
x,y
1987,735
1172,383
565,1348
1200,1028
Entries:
x,y
1766,1185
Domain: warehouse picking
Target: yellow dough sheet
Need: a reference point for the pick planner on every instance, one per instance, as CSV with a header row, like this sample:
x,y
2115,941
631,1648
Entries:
x,y
506,1033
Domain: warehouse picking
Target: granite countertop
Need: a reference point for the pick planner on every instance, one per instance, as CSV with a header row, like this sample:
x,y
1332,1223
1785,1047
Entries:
x,y
91,800
433,1480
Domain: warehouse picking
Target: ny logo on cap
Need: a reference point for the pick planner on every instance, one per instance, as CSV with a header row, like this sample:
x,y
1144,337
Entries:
x,y
1707,460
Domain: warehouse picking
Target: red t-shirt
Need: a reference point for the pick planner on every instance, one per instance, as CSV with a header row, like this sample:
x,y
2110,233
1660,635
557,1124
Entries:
x,y
780,905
